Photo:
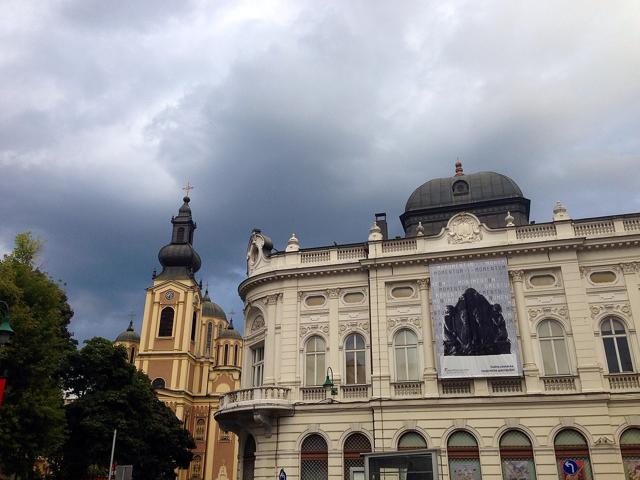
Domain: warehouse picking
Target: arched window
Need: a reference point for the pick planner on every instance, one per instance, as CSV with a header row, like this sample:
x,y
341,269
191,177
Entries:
x,y
166,322
553,348
464,457
132,356
249,458
616,345
314,464
354,349
314,361
200,428
569,444
226,354
411,441
516,454
196,466
257,365
235,356
630,448
406,355
193,327
207,347
219,355
354,445
158,383
180,236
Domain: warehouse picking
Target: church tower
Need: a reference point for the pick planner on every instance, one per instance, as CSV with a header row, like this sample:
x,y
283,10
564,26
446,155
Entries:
x,y
179,351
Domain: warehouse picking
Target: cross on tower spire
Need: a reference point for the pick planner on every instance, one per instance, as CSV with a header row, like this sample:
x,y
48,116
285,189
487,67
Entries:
x,y
187,188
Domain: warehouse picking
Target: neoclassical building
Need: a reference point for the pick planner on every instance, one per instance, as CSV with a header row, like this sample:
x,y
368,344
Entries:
x,y
190,351
479,345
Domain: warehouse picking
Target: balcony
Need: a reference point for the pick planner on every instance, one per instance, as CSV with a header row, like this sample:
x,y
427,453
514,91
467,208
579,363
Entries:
x,y
565,383
257,406
407,389
623,382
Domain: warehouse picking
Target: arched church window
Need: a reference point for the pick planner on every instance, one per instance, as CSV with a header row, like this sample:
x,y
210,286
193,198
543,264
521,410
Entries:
x,y
314,458
158,383
616,345
355,445
208,344
132,355
354,349
516,454
200,428
226,354
314,361
166,322
569,444
196,466
464,456
235,356
193,326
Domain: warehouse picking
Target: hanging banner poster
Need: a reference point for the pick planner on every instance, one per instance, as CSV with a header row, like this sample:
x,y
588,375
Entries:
x,y
473,319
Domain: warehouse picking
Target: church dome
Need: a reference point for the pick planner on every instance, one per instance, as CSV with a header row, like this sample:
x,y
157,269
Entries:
x,y
179,255
211,309
230,332
129,335
475,187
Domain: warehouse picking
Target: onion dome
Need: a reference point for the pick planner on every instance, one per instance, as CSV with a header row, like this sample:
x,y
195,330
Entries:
x,y
178,259
129,335
488,195
211,309
230,332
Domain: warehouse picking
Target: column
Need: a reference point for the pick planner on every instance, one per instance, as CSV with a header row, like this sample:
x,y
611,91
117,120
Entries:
x,y
529,366
629,271
430,375
270,353
334,337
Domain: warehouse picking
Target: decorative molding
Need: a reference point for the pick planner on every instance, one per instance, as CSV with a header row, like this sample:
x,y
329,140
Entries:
x,y
623,308
517,275
410,424
300,296
257,323
559,311
393,322
304,329
604,441
344,326
512,422
333,292
567,421
272,299
424,283
464,228
460,422
630,268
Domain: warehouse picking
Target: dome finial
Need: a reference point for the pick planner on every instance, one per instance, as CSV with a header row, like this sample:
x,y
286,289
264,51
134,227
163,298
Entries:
x,y
459,170
293,245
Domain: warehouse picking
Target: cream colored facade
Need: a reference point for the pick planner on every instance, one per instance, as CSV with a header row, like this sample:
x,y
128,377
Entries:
x,y
577,273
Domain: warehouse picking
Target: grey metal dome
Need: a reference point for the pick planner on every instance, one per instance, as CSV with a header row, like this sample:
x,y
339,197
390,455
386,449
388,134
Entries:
x,y
129,335
230,332
211,309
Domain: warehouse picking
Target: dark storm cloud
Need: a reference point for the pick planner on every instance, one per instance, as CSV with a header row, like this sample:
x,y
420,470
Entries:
x,y
294,117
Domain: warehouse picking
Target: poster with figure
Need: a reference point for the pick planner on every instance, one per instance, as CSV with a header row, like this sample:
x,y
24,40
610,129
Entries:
x,y
473,320
518,469
632,468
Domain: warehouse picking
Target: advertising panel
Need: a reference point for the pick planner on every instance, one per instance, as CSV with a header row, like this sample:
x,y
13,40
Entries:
x,y
473,319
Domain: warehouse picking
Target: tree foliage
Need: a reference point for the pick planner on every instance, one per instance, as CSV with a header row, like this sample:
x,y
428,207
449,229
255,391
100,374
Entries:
x,y
112,394
32,421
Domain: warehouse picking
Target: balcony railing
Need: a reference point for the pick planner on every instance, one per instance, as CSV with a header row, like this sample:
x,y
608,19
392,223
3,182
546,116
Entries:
x,y
559,384
264,394
623,381
355,391
505,385
313,393
457,387
407,389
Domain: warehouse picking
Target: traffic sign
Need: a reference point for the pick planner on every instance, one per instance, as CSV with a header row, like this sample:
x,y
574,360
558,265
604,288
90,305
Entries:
x,y
282,475
570,466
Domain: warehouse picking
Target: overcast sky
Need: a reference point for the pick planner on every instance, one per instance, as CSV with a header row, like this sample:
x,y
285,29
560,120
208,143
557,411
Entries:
x,y
294,116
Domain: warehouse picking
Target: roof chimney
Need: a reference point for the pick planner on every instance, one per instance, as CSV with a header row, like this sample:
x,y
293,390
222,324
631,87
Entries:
x,y
381,220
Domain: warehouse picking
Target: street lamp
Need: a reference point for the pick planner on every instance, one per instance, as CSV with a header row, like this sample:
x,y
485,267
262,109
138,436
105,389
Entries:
x,y
6,332
328,382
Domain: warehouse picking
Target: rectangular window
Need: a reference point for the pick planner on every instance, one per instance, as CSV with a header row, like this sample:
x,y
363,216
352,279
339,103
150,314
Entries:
x,y
257,365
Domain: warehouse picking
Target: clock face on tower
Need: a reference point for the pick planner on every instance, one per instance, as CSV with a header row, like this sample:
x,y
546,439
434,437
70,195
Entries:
x,y
169,295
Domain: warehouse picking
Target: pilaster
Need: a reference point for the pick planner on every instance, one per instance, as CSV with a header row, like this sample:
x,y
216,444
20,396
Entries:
x,y
529,366
270,341
429,374
334,339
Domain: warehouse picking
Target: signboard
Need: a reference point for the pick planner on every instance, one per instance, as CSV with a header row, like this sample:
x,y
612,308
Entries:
x,y
282,475
473,319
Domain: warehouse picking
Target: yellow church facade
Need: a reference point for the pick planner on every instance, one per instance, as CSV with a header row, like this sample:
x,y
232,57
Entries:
x,y
190,351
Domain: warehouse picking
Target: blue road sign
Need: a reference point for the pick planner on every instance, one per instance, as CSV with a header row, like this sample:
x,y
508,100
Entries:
x,y
282,475
570,466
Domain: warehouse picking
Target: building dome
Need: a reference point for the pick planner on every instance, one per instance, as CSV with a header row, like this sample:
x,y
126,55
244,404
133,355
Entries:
x,y
179,255
230,332
211,309
488,195
129,335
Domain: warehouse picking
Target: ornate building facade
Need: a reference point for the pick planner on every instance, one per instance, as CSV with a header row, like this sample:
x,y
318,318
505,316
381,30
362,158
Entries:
x,y
480,345
190,351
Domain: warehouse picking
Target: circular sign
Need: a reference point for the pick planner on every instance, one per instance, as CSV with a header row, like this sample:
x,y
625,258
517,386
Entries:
x,y
570,466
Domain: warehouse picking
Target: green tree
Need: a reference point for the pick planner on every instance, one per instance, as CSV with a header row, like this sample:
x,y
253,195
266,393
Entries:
x,y
112,394
32,421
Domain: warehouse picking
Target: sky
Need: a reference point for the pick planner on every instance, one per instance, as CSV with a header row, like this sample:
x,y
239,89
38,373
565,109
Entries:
x,y
294,116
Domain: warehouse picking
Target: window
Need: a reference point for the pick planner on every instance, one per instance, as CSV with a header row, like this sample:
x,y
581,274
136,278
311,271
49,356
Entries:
x,y
235,356
355,359
411,441
569,444
193,327
516,454
354,446
219,355
196,466
158,383
553,347
630,448
200,428
207,347
464,457
406,355
166,322
314,463
226,354
314,361
132,356
257,365
616,345
249,458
